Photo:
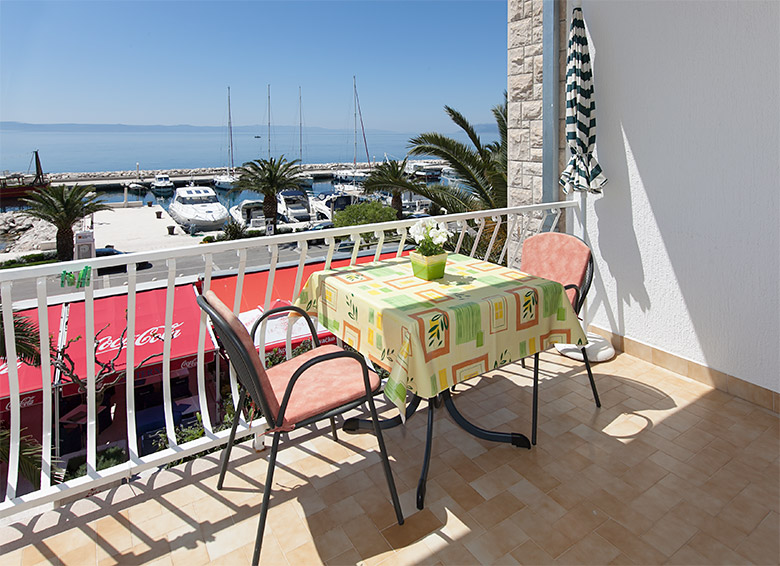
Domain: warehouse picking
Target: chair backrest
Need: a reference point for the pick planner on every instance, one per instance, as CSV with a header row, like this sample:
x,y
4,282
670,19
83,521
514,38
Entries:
x,y
241,351
562,258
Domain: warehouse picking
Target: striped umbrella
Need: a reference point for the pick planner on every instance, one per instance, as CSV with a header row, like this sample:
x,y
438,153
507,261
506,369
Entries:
x,y
583,173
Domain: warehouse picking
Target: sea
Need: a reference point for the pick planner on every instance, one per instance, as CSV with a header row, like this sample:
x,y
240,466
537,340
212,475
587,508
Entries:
x,y
95,148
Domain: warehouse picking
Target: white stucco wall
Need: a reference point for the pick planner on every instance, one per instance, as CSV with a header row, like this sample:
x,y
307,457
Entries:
x,y
686,236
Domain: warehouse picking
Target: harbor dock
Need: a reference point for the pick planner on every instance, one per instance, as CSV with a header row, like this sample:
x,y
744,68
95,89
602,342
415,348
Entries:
x,y
118,180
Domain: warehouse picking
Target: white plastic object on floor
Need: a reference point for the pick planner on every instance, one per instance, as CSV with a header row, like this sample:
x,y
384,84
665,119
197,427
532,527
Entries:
x,y
599,349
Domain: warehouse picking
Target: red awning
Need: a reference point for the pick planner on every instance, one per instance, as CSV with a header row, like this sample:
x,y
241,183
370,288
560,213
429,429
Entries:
x,y
30,382
110,321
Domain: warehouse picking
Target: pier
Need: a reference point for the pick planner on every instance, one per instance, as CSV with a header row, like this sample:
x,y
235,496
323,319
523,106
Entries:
x,y
118,180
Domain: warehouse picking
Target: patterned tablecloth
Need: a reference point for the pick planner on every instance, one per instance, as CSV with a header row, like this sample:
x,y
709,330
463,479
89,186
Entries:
x,y
431,335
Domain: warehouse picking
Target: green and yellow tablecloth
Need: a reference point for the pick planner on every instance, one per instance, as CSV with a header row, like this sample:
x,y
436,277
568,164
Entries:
x,y
431,335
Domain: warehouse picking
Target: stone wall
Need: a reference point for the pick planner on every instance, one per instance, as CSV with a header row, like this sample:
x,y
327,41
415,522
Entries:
x,y
525,110
524,87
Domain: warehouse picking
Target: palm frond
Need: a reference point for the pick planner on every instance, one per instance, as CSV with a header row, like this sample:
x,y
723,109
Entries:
x,y
26,338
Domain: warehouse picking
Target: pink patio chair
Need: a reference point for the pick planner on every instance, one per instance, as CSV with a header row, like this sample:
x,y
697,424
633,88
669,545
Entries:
x,y
567,260
320,384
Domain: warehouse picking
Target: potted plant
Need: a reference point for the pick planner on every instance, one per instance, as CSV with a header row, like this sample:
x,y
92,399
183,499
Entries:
x,y
429,259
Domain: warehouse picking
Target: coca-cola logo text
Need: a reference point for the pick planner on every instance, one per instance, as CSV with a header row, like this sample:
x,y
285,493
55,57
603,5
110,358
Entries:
x,y
153,334
27,401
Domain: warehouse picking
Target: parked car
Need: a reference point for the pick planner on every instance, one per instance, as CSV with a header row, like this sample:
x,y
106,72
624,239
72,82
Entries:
x,y
108,252
325,225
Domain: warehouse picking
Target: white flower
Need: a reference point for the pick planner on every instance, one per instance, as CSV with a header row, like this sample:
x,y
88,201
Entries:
x,y
418,231
439,236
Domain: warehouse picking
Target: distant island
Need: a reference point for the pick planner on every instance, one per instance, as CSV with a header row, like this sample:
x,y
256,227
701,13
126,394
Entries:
x,y
487,129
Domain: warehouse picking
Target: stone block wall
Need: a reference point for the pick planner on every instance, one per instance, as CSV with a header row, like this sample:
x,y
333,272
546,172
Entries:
x,y
525,110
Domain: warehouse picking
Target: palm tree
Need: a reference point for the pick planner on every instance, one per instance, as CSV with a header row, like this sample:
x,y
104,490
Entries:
x,y
63,207
28,351
391,176
481,168
26,337
269,177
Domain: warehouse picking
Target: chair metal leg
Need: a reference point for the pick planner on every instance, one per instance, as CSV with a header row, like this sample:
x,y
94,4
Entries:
x,y
333,429
385,461
269,479
590,376
522,362
535,409
229,445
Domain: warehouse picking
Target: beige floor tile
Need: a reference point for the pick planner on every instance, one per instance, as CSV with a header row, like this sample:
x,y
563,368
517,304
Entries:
x,y
502,539
591,549
762,546
669,534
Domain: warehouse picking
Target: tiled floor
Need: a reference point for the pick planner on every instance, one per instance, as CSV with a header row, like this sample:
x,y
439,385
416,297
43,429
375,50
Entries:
x,y
667,471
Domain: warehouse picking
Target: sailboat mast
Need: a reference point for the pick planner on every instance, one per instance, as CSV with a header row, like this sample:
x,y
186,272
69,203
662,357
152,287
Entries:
x,y
362,128
354,96
230,138
269,121
300,125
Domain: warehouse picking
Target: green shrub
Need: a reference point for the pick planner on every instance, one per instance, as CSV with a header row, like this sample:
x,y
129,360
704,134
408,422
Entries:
x,y
105,459
364,213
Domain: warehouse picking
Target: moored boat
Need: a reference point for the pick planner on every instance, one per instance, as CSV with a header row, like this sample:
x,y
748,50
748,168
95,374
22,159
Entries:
x,y
294,205
198,208
162,185
16,185
229,179
324,205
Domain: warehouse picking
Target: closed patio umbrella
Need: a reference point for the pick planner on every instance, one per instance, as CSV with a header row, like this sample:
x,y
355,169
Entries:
x,y
583,173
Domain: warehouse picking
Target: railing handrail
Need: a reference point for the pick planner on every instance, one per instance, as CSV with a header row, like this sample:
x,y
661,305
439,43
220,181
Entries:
x,y
48,270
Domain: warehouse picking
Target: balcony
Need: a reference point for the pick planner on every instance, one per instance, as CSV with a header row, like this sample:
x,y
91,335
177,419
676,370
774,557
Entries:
x,y
668,470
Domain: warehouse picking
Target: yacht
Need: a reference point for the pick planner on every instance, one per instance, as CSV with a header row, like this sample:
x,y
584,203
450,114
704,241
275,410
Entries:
x,y
325,204
249,213
294,205
162,185
197,208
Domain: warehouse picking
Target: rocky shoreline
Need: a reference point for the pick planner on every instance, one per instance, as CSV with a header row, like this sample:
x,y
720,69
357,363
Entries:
x,y
22,233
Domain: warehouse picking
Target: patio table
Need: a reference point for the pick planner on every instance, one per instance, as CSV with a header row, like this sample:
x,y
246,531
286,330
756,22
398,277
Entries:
x,y
431,335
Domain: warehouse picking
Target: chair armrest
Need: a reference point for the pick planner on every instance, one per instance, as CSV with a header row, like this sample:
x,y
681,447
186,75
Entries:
x,y
299,311
316,360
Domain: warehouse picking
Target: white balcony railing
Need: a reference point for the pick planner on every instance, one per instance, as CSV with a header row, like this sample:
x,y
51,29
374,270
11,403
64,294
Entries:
x,y
477,234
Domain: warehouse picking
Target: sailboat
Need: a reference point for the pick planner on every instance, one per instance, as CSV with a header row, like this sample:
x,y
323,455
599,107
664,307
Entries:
x,y
352,179
303,179
18,185
229,179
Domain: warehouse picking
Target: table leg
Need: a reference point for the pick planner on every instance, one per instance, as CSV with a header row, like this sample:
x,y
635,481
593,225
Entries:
x,y
513,438
355,424
427,458
535,409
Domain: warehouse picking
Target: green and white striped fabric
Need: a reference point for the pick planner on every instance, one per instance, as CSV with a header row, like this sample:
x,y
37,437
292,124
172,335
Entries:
x,y
583,173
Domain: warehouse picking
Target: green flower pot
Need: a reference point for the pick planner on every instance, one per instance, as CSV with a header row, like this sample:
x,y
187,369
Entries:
x,y
428,267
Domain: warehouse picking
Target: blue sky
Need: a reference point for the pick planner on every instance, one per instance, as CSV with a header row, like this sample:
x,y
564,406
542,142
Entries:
x,y
168,63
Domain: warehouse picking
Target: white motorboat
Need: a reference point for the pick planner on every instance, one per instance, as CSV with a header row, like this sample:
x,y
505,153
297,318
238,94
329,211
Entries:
x,y
249,213
294,205
198,208
162,185
324,205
